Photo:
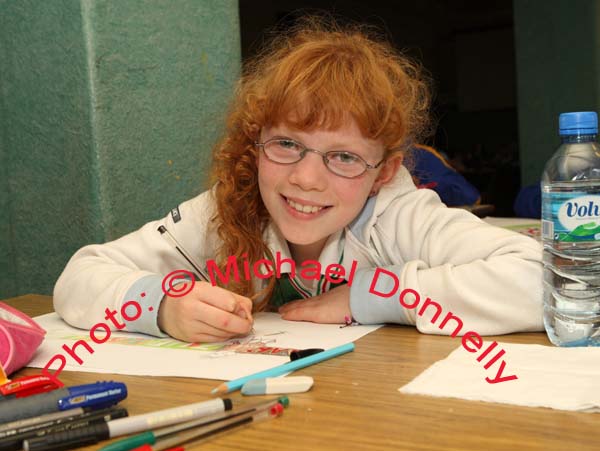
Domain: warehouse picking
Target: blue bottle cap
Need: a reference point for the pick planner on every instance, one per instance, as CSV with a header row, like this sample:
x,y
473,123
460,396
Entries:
x,y
578,123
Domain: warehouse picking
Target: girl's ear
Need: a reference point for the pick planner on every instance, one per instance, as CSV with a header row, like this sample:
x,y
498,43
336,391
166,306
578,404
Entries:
x,y
388,171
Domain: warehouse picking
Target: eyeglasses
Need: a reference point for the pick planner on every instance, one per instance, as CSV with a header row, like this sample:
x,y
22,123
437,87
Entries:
x,y
340,162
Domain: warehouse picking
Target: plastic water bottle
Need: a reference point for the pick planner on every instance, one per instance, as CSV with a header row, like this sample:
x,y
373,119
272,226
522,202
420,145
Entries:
x,y
571,233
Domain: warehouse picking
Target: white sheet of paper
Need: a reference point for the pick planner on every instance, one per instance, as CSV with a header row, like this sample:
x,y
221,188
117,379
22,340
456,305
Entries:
x,y
143,355
548,376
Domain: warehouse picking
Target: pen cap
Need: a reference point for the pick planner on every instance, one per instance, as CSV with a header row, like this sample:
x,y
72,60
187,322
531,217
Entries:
x,y
301,353
98,395
68,439
30,385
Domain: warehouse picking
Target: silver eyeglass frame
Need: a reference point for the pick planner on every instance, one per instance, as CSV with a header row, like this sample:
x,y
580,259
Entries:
x,y
323,155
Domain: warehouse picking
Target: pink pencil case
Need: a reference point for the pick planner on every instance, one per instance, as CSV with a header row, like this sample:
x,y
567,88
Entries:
x,y
20,336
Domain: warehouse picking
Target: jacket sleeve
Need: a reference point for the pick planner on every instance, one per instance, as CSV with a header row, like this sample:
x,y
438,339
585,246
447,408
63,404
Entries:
x,y
104,277
487,277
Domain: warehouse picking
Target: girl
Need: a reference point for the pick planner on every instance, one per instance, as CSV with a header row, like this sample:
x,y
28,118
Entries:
x,y
311,170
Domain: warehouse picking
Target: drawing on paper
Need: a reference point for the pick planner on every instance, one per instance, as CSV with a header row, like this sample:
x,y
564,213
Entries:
x,y
250,344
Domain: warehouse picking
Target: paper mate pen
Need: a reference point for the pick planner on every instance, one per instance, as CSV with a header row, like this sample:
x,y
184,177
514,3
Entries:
x,y
97,395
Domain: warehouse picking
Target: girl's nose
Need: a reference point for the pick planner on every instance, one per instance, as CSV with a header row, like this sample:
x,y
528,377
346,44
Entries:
x,y
310,173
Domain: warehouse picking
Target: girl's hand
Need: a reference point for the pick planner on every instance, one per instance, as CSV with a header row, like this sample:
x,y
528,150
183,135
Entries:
x,y
206,314
332,306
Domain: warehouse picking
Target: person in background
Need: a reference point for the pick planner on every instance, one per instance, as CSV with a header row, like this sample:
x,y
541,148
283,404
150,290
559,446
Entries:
x,y
528,203
431,170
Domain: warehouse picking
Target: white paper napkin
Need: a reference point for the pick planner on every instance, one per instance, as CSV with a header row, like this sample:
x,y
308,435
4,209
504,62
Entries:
x,y
547,376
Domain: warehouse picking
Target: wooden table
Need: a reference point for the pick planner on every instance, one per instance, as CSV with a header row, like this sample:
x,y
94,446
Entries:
x,y
355,403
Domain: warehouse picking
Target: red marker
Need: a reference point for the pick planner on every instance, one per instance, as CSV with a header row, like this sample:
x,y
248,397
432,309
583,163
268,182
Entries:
x,y
29,385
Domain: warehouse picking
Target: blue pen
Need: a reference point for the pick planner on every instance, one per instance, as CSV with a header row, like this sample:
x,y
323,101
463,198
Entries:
x,y
285,368
95,396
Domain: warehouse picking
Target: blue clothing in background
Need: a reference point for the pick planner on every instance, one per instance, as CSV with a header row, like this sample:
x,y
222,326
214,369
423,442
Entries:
x,y
528,203
433,171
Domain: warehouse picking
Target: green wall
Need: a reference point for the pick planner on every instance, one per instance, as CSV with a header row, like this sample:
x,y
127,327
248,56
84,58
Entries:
x,y
109,111
558,70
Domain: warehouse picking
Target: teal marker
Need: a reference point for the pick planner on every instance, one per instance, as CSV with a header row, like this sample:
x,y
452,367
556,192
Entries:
x,y
236,384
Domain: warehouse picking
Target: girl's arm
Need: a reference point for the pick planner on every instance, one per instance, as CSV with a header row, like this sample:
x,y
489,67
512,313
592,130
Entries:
x,y
100,278
488,277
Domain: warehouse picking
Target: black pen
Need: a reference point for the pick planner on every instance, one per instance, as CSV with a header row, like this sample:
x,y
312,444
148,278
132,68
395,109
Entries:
x,y
73,415
14,441
201,272
89,435
301,353
97,395
41,419
173,242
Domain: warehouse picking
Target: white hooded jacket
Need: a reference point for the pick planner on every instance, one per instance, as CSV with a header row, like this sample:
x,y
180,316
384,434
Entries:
x,y
489,277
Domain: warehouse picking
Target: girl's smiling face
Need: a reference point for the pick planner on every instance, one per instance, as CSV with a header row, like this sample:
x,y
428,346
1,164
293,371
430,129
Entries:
x,y
306,201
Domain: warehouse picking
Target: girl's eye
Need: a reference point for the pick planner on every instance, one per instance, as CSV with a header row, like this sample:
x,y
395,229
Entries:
x,y
343,157
288,144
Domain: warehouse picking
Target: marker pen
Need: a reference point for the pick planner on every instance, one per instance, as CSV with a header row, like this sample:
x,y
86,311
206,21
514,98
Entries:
x,y
14,442
97,395
95,433
26,422
50,420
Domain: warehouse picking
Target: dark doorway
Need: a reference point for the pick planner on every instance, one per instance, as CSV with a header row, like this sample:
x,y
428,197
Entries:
x,y
468,48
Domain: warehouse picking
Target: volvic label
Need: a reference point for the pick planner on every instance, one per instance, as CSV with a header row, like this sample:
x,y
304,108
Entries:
x,y
570,216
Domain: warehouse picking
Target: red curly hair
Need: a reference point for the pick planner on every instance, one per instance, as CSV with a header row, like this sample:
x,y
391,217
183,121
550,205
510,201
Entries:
x,y
311,77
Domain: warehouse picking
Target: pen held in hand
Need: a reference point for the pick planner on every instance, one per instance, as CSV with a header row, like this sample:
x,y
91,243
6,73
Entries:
x,y
239,310
173,242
